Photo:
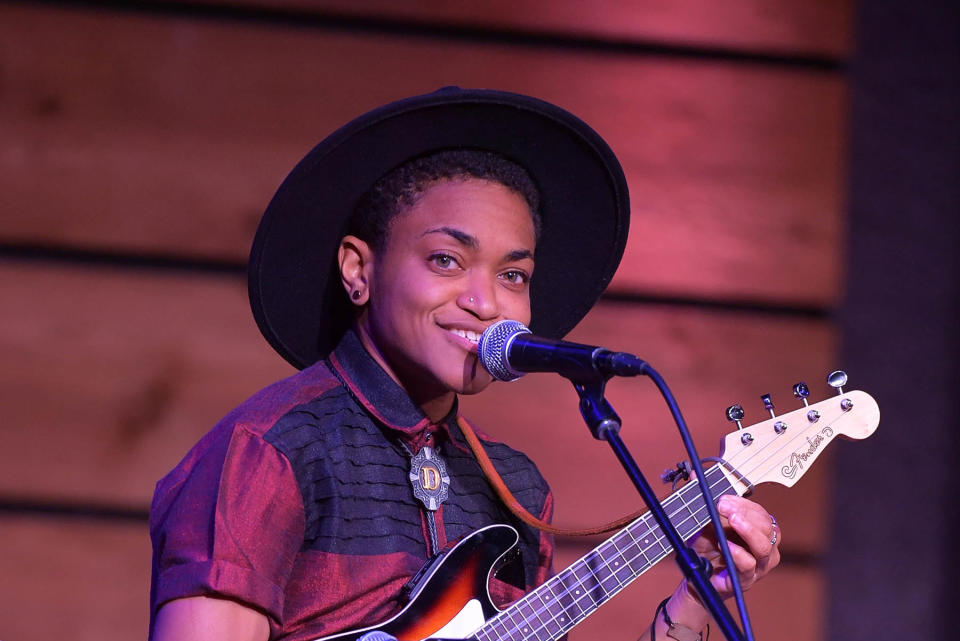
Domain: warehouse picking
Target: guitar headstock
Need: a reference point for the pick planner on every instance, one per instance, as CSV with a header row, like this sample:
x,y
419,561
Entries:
x,y
782,448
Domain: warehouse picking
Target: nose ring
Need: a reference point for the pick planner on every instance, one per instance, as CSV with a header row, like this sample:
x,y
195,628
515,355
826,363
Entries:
x,y
471,299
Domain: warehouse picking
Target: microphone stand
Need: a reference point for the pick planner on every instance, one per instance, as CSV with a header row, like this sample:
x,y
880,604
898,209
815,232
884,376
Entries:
x,y
604,424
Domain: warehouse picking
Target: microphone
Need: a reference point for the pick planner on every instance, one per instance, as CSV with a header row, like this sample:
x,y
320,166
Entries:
x,y
508,350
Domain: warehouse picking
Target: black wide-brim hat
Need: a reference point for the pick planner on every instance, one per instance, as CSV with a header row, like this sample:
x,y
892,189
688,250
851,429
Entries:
x,y
296,294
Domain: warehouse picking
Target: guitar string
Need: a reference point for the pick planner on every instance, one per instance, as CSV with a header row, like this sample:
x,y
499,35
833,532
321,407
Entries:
x,y
573,618
790,442
601,581
579,582
601,552
658,536
525,627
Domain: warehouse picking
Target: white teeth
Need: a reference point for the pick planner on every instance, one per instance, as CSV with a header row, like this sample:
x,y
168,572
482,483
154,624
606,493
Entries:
x,y
473,337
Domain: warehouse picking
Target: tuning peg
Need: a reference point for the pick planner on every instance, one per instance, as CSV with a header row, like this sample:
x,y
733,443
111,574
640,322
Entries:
x,y
735,415
779,427
801,391
837,380
768,404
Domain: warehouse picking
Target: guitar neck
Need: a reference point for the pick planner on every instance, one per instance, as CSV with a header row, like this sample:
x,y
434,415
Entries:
x,y
565,600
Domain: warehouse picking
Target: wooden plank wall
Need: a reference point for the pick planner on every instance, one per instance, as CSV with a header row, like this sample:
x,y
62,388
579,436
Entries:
x,y
138,147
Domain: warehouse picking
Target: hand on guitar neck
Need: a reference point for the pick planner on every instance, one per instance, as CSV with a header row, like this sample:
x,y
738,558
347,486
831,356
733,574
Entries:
x,y
778,450
754,538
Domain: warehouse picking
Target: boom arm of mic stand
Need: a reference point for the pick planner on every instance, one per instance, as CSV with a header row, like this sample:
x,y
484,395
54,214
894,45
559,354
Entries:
x,y
604,424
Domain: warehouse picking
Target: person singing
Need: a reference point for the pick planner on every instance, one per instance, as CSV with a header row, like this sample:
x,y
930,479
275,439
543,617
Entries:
x,y
378,264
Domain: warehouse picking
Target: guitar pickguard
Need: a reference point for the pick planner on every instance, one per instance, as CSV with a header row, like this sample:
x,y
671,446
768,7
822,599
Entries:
x,y
467,621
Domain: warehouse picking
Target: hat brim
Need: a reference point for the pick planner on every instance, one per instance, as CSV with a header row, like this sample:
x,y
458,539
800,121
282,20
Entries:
x,y
295,293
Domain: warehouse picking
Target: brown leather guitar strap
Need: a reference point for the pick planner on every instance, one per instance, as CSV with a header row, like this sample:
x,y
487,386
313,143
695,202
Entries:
x,y
514,505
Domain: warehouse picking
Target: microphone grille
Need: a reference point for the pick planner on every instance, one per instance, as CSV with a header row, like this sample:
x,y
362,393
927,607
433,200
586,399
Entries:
x,y
493,346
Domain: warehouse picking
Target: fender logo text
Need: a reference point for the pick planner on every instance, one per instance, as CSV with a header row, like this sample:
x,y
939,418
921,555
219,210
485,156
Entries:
x,y
799,459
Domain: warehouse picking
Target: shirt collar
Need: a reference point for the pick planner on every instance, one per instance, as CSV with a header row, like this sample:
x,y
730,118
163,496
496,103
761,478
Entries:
x,y
373,388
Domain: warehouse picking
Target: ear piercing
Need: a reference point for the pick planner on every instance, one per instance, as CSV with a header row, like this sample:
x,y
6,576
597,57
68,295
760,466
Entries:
x,y
356,294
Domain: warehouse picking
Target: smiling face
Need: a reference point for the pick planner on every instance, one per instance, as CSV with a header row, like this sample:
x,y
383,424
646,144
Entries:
x,y
456,261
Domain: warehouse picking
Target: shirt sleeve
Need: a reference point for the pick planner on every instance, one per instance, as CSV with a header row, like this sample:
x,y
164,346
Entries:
x,y
228,522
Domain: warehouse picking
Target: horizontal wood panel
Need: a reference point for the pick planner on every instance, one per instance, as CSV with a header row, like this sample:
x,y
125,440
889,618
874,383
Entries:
x,y
90,581
109,377
787,604
130,133
73,579
794,26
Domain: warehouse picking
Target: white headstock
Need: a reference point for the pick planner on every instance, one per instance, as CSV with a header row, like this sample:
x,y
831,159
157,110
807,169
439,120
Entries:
x,y
782,448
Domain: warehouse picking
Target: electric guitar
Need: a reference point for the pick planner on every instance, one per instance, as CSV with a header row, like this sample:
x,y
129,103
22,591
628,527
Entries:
x,y
451,599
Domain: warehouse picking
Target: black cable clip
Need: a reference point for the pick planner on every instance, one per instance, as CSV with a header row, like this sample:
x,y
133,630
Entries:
x,y
674,476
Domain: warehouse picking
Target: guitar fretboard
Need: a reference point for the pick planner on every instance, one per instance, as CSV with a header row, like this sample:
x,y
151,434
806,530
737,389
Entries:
x,y
565,600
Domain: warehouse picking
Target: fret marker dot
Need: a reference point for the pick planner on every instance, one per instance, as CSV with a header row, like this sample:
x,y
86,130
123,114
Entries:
x,y
578,592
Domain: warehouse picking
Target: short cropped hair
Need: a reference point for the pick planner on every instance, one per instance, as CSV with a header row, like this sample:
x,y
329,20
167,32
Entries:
x,y
400,189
